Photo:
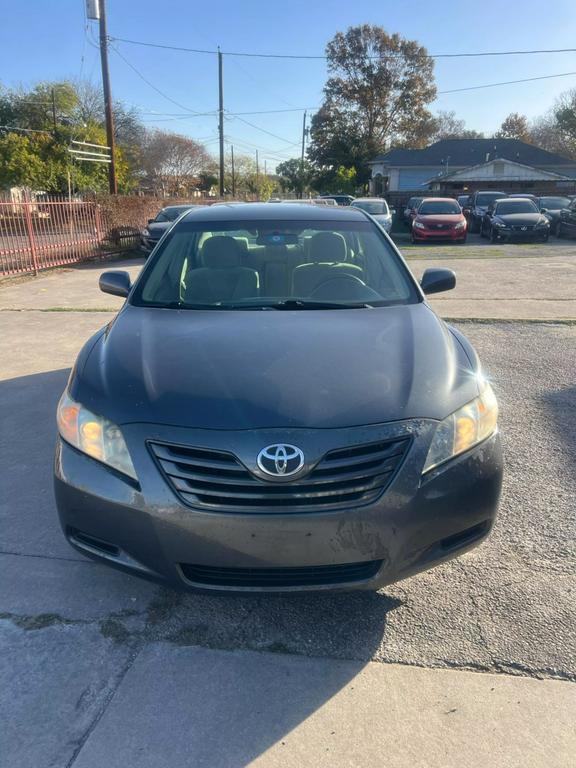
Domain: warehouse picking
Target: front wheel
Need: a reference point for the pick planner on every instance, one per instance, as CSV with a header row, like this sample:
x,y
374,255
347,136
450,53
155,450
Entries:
x,y
493,236
545,238
559,230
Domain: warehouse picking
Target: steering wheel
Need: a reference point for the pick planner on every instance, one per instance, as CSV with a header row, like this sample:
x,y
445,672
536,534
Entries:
x,y
342,287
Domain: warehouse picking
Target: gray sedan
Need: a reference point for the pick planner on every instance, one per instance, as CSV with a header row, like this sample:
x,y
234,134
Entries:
x,y
276,407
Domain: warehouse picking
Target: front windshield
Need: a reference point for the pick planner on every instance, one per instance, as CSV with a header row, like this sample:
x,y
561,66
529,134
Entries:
x,y
516,206
375,207
554,203
485,199
169,214
275,264
414,202
439,206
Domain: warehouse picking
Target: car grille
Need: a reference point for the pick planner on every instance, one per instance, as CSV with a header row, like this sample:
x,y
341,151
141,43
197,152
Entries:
x,y
315,575
441,226
218,480
523,227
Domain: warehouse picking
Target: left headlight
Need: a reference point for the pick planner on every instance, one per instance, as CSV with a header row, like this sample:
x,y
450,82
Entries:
x,y
146,232
543,222
93,435
464,428
460,225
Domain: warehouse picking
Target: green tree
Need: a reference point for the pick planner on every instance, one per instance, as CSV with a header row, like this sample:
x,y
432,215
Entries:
x,y
515,126
377,92
295,176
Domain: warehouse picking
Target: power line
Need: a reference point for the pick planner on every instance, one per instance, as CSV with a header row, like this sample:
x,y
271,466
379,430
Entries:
x,y
263,130
151,85
507,82
324,57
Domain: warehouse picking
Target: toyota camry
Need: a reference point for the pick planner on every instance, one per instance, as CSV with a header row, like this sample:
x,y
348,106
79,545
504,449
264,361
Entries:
x,y
276,407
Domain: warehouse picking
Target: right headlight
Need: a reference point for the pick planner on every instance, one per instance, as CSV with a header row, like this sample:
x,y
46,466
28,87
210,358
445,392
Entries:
x,y
464,428
93,435
418,225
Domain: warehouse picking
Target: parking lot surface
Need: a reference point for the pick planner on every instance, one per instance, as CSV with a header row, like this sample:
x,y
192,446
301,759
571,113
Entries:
x,y
88,652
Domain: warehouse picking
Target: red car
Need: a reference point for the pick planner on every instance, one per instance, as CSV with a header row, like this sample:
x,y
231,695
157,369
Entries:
x,y
439,218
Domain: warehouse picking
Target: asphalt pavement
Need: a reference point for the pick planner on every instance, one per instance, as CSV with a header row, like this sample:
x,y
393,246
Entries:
x,y
472,663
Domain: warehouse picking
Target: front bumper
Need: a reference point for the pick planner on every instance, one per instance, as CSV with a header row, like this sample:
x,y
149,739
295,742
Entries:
x,y
448,235
146,530
517,236
147,244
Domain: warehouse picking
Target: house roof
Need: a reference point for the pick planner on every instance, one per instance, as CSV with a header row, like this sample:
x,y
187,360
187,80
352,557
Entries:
x,y
464,152
513,171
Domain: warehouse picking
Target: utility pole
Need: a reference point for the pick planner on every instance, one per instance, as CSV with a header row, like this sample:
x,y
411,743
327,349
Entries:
x,y
221,121
302,156
53,92
233,176
113,185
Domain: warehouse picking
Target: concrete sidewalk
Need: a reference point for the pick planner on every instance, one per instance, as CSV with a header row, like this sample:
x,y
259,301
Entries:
x,y
240,708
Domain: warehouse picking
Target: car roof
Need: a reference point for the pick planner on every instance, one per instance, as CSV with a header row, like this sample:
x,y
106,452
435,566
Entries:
x,y
512,199
179,205
369,199
285,212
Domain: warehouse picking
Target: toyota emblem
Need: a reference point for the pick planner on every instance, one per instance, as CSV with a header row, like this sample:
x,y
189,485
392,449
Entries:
x,y
280,460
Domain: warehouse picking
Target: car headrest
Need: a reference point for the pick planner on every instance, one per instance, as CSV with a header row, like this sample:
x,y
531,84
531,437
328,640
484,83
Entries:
x,y
221,252
327,247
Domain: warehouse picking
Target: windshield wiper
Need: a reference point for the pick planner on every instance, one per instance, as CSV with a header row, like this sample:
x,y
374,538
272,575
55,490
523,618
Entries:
x,y
292,304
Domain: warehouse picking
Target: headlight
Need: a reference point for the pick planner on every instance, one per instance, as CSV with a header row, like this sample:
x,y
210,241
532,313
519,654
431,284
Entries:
x,y
146,232
499,225
543,222
460,225
463,429
93,435
419,225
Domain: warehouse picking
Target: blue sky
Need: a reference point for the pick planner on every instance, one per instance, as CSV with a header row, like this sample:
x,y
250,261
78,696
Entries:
x,y
44,39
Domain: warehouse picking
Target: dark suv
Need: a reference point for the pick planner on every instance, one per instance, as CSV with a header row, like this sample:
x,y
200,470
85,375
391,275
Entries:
x,y
566,226
480,201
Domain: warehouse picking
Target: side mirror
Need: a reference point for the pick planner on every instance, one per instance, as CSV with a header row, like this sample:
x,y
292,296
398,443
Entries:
x,y
543,210
150,221
117,283
437,280
393,211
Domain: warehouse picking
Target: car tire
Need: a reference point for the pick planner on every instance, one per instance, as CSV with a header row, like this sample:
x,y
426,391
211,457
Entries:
x,y
482,230
463,241
545,238
559,231
493,235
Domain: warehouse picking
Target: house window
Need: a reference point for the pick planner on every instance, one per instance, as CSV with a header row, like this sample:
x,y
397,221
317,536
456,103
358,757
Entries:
x,y
498,168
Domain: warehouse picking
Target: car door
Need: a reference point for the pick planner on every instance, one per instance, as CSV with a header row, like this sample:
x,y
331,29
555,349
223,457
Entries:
x,y
570,221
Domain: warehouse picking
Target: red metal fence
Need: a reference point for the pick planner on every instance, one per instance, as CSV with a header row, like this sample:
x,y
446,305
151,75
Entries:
x,y
36,235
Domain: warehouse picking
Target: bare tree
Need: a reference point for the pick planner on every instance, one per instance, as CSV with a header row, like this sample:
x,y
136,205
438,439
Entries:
x,y
515,126
173,162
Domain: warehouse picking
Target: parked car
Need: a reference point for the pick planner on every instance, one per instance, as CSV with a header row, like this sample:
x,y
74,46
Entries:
x,y
287,416
566,226
515,218
157,226
479,204
410,210
439,218
526,196
463,201
551,206
340,199
377,207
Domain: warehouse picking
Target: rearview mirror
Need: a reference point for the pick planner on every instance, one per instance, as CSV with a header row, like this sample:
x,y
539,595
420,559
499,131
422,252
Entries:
x,y
437,280
117,283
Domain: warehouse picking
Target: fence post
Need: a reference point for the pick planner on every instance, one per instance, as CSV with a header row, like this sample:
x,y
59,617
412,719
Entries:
x,y
30,233
98,223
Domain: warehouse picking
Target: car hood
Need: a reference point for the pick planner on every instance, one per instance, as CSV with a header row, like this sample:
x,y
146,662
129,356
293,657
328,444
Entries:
x,y
266,369
159,227
520,218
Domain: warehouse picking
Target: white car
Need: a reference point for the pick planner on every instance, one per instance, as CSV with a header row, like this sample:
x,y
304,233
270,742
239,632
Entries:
x,y
377,207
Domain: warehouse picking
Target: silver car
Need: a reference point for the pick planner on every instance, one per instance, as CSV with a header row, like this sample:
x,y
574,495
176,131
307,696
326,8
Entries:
x,y
377,207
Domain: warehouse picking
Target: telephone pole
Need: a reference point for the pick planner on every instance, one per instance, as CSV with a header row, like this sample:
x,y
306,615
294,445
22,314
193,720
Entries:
x,y
221,121
302,156
233,177
113,185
